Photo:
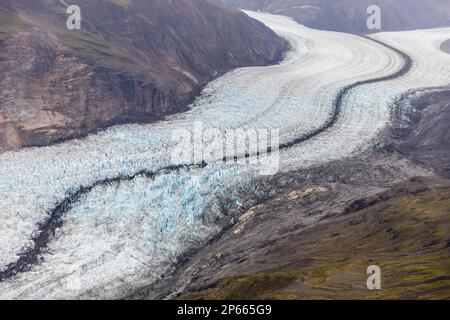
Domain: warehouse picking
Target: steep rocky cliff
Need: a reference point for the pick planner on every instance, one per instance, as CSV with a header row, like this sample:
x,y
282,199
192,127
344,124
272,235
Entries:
x,y
351,15
133,60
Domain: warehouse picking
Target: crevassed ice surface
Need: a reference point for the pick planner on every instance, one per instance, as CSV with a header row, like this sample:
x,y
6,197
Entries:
x,y
128,235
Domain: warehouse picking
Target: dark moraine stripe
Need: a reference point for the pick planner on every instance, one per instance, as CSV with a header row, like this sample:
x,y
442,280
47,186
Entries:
x,y
445,46
337,105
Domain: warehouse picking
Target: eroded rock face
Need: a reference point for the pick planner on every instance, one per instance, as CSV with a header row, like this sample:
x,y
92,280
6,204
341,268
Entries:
x,y
132,61
427,140
351,15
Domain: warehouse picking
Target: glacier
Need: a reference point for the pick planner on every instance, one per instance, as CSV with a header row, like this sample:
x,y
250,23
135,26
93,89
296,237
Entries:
x,y
125,235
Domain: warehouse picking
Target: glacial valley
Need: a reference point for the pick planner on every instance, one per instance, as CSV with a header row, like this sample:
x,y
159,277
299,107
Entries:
x,y
119,216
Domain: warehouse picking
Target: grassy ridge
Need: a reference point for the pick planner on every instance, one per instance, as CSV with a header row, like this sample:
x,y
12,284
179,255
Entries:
x,y
407,236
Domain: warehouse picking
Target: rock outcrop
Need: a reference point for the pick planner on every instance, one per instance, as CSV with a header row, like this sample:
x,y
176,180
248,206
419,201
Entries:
x,y
132,61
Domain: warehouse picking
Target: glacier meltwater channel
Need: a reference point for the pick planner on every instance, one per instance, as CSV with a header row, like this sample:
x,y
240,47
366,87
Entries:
x,y
130,230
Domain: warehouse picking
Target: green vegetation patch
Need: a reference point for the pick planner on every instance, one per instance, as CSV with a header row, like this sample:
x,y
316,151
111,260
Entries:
x,y
94,48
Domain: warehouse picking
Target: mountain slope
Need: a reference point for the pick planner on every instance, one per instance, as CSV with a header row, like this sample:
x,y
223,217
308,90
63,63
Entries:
x,y
351,15
402,230
131,61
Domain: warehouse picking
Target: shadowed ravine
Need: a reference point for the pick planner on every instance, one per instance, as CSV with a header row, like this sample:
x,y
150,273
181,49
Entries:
x,y
30,256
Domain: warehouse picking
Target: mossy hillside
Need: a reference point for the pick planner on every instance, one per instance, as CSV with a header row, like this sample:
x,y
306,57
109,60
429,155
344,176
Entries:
x,y
407,236
95,49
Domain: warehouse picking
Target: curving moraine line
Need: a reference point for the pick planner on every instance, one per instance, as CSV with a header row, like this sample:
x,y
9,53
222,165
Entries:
x,y
30,256
337,110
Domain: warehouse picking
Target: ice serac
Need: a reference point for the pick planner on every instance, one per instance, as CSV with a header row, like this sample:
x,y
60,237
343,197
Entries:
x,y
131,61
351,15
